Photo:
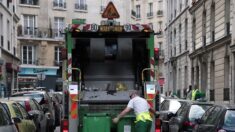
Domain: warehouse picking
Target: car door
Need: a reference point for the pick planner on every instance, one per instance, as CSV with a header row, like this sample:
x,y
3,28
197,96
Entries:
x,y
22,126
210,119
175,122
6,124
42,117
30,124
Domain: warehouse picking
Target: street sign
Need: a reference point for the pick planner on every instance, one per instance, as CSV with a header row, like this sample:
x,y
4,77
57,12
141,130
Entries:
x,y
110,12
41,76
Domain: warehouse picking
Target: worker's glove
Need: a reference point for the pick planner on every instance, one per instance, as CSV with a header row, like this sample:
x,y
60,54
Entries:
x,y
157,114
115,120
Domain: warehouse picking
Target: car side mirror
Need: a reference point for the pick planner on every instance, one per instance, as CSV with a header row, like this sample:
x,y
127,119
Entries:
x,y
45,110
170,115
198,121
16,120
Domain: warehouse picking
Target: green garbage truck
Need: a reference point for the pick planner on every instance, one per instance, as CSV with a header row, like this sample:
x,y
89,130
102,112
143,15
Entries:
x,y
101,64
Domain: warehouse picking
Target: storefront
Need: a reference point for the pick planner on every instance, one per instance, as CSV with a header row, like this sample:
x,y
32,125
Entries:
x,y
37,76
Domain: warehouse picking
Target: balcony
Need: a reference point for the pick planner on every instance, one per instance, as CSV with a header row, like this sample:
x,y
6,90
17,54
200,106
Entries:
x,y
159,13
30,2
59,5
39,33
159,34
81,7
150,15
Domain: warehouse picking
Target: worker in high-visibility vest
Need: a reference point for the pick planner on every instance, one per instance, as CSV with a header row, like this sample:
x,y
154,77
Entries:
x,y
142,111
195,93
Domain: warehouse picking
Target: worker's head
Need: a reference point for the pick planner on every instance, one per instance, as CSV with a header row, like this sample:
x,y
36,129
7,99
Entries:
x,y
195,87
133,93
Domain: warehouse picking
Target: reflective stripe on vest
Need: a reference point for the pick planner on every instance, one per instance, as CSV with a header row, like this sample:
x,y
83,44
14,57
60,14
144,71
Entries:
x,y
194,92
143,117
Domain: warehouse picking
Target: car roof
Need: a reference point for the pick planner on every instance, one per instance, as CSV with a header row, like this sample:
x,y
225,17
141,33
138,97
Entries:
x,y
20,98
226,106
29,92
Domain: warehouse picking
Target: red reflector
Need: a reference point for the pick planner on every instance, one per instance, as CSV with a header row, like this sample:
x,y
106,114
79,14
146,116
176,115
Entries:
x,y
65,125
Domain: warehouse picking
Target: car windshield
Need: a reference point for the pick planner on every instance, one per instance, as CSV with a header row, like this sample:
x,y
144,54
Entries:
x,y
37,96
174,106
229,120
196,111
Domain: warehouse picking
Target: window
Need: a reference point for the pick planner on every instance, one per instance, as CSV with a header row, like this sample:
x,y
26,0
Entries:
x,y
1,27
58,54
212,116
212,81
227,16
150,12
226,94
32,105
58,25
226,71
180,38
186,34
212,24
8,35
17,111
4,118
29,2
59,4
204,27
23,111
212,95
196,111
185,77
28,54
194,33
81,5
137,11
29,24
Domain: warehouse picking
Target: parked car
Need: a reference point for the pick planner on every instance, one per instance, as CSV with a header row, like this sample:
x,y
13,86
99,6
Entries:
x,y
43,98
57,103
220,118
21,118
34,109
184,119
6,124
168,108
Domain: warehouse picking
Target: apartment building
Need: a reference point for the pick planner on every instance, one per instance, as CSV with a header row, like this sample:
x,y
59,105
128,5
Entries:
x,y
151,12
177,46
209,57
40,39
9,60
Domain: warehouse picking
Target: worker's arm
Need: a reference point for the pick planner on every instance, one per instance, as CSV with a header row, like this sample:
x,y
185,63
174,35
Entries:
x,y
156,113
123,113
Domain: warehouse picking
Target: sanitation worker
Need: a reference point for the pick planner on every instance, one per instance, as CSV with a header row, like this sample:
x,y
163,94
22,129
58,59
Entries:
x,y
142,111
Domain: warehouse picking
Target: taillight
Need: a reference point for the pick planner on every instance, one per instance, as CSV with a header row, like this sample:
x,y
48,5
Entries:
x,y
188,124
65,125
222,130
27,106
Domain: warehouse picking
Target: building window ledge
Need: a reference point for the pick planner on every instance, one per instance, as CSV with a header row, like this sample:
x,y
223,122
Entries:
x,y
82,11
59,9
29,6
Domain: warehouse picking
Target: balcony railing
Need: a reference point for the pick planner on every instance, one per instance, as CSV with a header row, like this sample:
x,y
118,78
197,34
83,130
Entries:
x,y
133,13
138,16
159,13
59,4
150,14
29,2
34,32
81,7
57,63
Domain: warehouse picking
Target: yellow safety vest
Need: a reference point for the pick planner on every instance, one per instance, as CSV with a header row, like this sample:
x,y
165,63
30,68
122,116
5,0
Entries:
x,y
143,117
194,92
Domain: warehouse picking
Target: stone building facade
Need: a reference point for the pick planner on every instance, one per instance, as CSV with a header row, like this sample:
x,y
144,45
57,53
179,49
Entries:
x,y
209,56
151,12
39,35
9,59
